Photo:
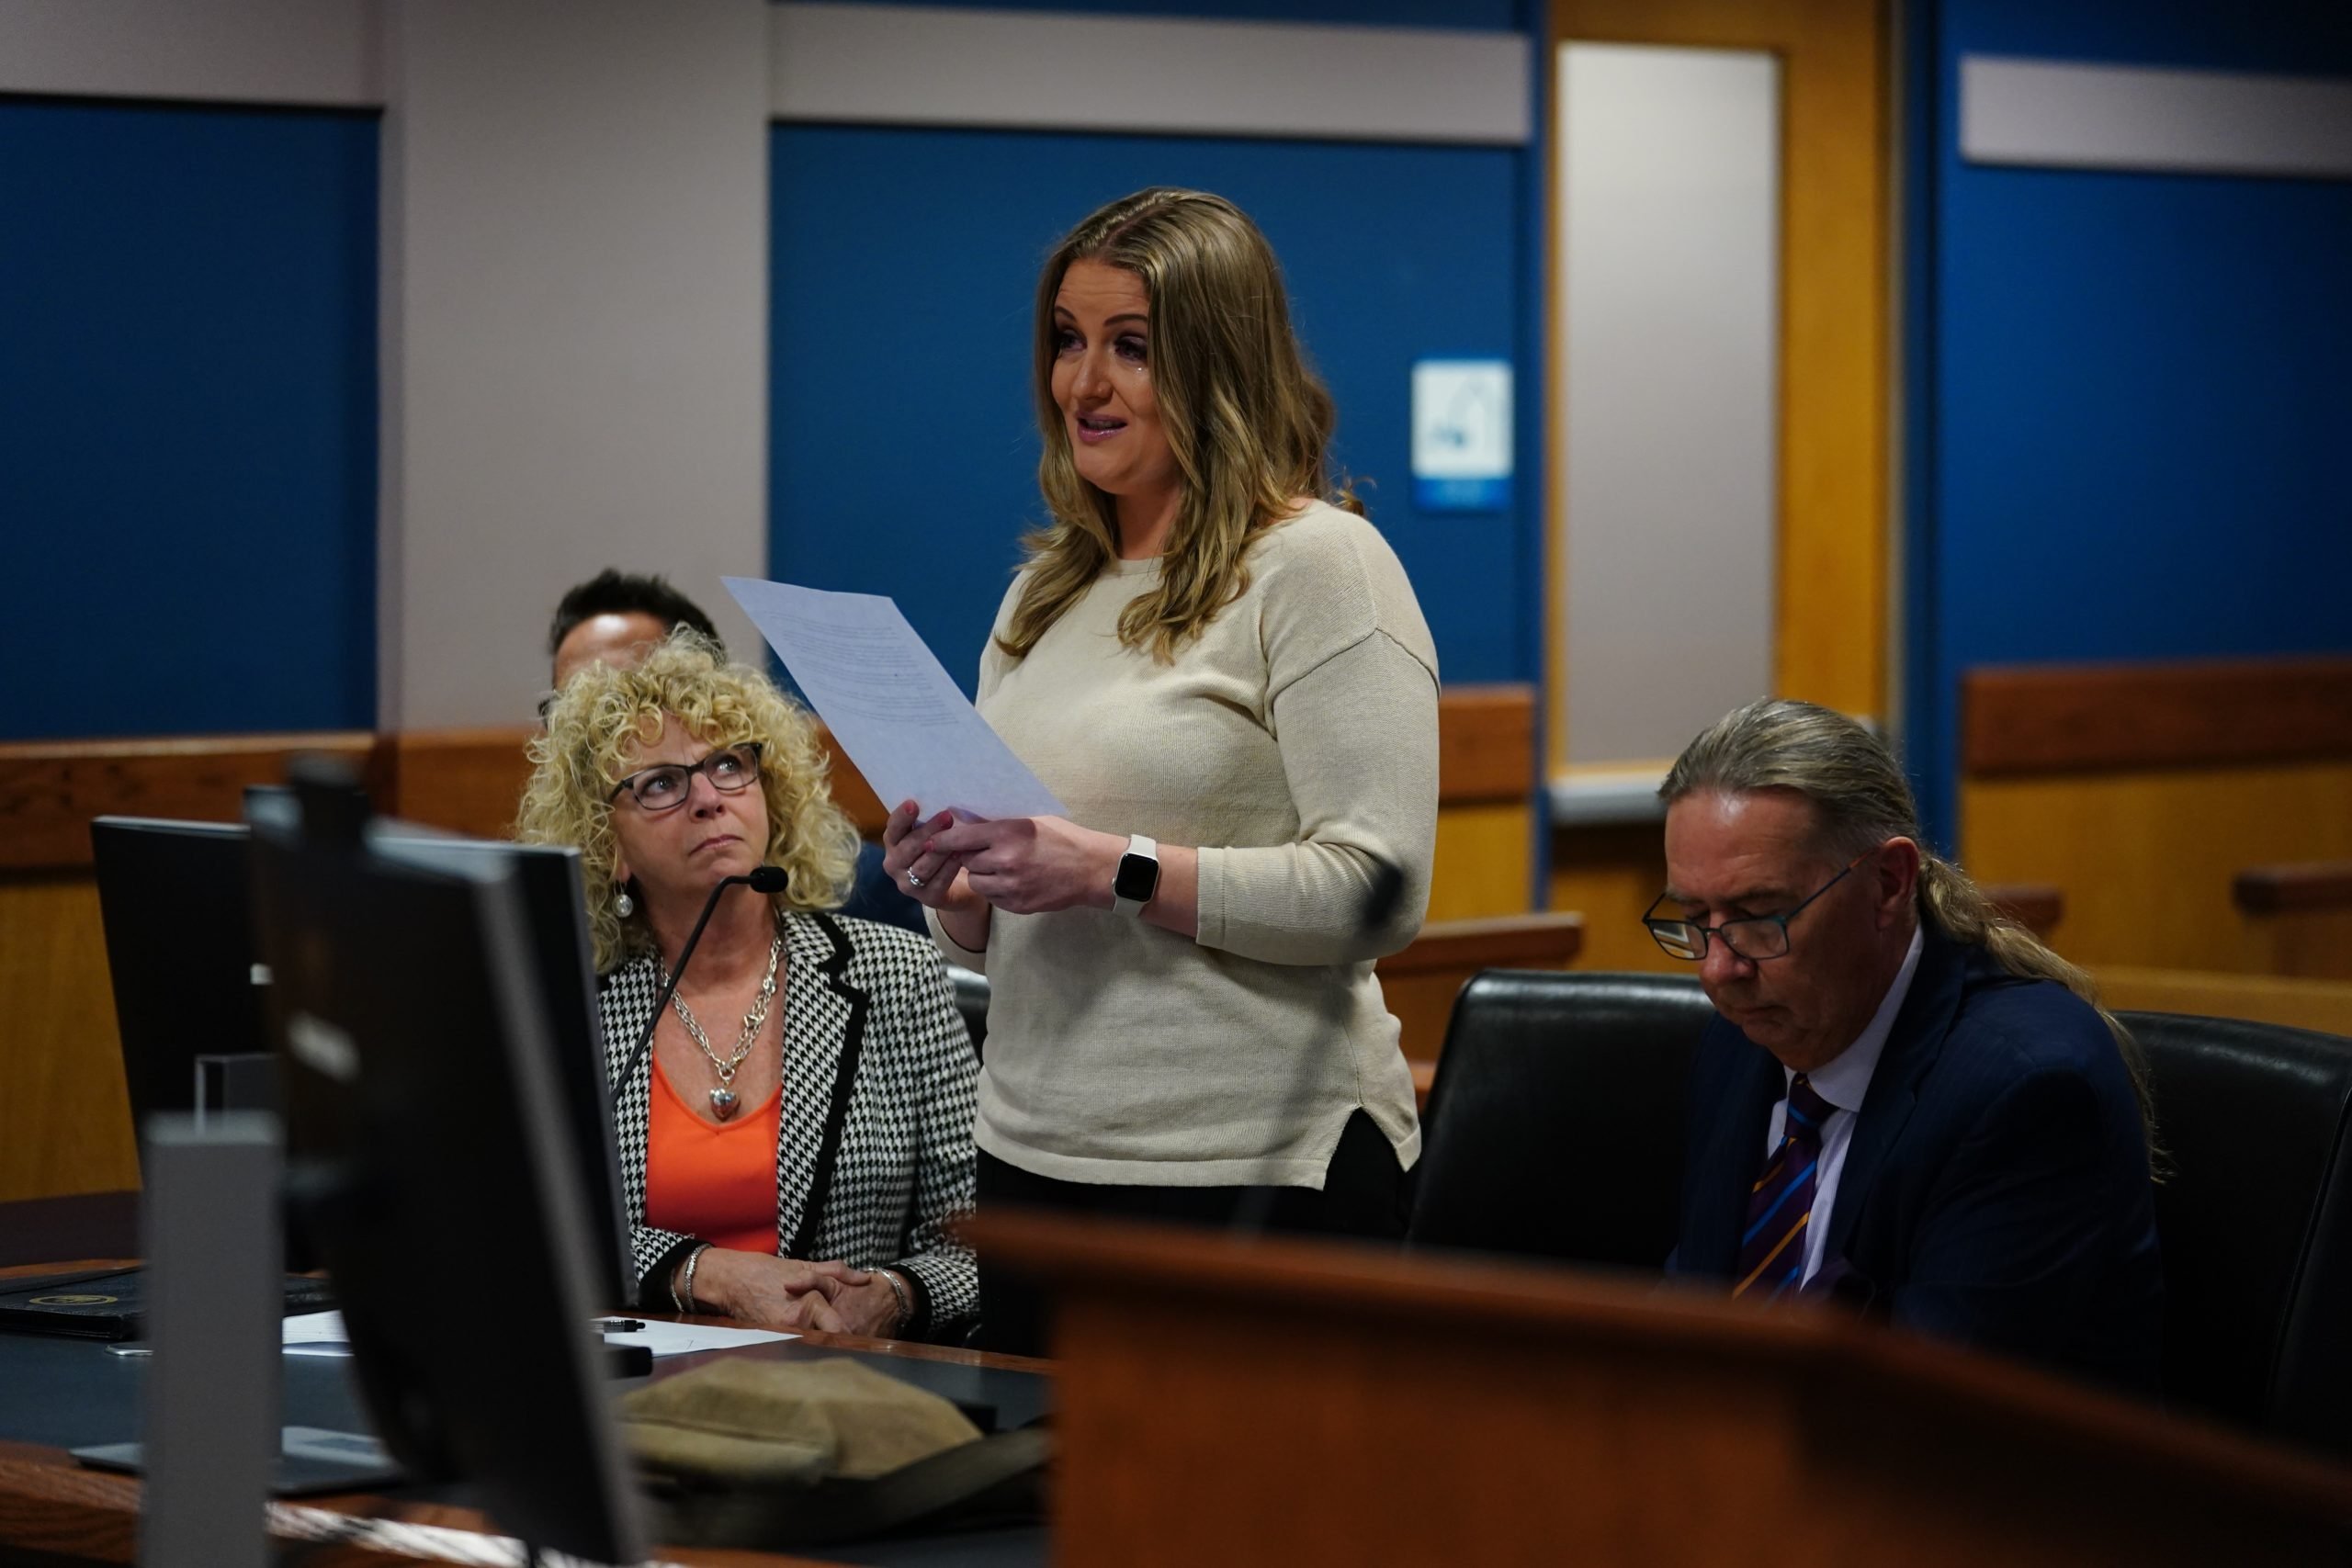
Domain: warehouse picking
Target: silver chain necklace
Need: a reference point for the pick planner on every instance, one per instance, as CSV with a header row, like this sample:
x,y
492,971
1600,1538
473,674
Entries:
x,y
723,1100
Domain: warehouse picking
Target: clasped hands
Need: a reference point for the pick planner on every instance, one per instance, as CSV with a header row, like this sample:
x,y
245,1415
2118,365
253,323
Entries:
x,y
1025,865
788,1292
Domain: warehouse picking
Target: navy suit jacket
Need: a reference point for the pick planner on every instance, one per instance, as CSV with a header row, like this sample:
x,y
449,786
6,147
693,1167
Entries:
x,y
1996,1190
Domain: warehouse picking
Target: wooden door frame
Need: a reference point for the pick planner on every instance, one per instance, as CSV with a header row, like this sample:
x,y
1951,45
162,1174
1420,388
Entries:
x,y
1833,611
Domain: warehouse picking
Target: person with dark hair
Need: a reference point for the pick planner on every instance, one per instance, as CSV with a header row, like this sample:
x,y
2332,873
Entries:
x,y
615,618
1219,666
1905,1100
617,613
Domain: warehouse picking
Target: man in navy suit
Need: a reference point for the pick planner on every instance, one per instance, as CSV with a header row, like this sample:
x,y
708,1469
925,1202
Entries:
x,y
1904,1099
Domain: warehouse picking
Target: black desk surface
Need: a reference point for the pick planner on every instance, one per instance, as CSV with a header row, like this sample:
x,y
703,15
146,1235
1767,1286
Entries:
x,y
70,1393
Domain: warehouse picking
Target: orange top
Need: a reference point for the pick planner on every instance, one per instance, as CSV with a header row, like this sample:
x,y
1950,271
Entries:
x,y
712,1180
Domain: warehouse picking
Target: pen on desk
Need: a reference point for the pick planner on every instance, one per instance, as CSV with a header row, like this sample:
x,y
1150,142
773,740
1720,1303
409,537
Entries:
x,y
128,1350
620,1325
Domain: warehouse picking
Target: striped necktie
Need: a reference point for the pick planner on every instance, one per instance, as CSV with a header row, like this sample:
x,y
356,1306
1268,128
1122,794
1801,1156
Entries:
x,y
1780,1207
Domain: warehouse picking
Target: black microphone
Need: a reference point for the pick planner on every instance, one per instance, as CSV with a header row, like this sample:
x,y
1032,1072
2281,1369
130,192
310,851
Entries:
x,y
761,879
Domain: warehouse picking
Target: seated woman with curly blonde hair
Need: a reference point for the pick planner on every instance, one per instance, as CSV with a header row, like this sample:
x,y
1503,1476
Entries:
x,y
798,1168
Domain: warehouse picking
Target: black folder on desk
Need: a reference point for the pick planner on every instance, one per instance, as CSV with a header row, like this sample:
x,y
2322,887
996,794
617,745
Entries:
x,y
110,1303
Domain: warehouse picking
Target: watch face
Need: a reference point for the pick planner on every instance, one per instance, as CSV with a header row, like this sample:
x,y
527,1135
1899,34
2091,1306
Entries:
x,y
1137,880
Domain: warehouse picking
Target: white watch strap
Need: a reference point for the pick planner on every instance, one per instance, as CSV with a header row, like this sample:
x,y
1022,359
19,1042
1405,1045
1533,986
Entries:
x,y
1136,845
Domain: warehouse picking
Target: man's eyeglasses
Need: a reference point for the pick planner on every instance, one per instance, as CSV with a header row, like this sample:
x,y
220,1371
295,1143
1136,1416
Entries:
x,y
730,770
1756,937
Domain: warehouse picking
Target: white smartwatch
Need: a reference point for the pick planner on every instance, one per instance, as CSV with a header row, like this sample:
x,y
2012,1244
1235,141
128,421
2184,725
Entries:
x,y
1138,876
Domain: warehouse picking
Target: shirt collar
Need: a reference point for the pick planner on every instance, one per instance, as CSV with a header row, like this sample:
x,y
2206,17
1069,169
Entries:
x,y
1847,1078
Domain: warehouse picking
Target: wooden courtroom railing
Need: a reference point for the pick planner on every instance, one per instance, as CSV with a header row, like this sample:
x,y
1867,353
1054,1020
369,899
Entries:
x,y
64,1118
1420,983
2277,889
2075,718
2304,911
2301,1003
2142,791
50,790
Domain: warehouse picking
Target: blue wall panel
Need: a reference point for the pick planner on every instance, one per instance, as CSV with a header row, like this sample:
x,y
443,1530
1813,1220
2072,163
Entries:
x,y
187,419
903,454
2139,386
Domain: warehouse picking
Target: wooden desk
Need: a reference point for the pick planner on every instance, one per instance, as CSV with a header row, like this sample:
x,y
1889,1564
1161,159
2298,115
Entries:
x,y
54,1512
1289,1402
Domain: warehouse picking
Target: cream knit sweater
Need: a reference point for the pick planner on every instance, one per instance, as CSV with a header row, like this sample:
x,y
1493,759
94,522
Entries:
x,y
1293,741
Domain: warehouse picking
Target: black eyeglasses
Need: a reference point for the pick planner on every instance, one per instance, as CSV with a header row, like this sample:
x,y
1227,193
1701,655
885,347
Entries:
x,y
730,770
1755,939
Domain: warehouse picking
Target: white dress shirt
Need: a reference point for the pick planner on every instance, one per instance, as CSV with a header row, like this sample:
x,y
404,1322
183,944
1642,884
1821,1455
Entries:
x,y
1842,1083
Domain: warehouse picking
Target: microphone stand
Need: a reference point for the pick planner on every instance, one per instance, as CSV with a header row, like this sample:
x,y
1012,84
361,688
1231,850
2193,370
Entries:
x,y
763,879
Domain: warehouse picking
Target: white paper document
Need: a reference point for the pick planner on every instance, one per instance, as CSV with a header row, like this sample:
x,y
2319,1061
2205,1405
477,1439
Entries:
x,y
687,1338
321,1334
889,703
316,1334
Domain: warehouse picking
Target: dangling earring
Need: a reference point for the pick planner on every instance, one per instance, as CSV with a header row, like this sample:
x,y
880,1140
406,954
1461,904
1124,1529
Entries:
x,y
623,905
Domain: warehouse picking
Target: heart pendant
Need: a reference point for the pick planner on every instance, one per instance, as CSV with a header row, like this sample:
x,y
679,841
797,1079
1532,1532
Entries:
x,y
722,1103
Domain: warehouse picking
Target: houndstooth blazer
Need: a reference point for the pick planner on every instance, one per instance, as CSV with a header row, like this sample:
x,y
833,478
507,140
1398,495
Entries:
x,y
905,1165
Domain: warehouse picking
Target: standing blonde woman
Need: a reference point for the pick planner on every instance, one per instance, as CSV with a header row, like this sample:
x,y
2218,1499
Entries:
x,y
1219,667
798,1138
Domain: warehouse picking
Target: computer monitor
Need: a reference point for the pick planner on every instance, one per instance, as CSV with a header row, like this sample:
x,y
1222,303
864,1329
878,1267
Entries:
x,y
179,943
176,902
563,988
431,1163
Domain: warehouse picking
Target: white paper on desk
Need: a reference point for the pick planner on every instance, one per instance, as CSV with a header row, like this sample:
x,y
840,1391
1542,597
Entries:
x,y
323,1334
890,703
316,1334
686,1338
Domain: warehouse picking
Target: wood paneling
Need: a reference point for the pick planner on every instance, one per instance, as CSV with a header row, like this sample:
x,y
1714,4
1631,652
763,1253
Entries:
x,y
2324,1005
1486,745
1612,876
2147,860
50,790
65,1113
468,781
2054,720
1486,820
1482,862
1420,983
1833,562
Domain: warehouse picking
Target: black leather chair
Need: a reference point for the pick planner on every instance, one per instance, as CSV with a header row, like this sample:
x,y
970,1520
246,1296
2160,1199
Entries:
x,y
2255,1222
972,1001
1555,1127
